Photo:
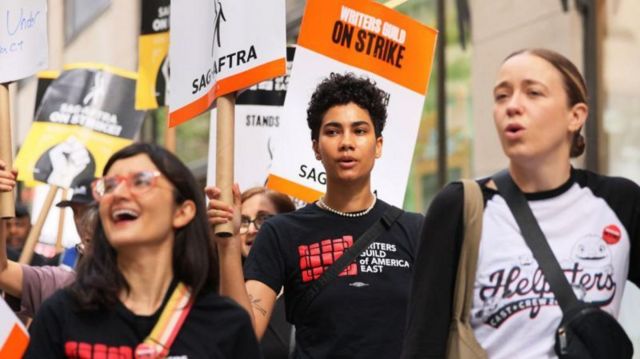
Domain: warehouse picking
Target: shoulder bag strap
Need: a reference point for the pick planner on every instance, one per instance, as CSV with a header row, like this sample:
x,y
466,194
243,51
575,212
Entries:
x,y
386,221
165,331
468,261
536,240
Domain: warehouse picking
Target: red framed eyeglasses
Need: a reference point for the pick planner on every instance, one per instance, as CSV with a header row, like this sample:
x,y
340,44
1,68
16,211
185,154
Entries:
x,y
137,182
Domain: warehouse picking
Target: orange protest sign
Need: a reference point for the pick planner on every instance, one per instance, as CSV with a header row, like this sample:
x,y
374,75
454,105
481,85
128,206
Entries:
x,y
371,37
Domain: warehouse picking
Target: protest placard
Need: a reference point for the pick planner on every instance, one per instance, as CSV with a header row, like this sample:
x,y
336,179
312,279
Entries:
x,y
153,48
213,54
86,114
13,335
23,38
368,39
23,51
219,47
258,115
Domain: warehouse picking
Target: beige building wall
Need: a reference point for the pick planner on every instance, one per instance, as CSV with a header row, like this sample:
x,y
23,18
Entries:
x,y
500,27
620,120
112,39
622,86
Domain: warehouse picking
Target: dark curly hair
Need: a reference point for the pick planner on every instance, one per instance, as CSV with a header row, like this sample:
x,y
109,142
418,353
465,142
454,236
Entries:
x,y
99,281
340,89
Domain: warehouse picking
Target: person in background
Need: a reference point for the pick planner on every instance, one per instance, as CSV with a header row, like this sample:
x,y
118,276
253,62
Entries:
x,y
256,205
84,210
590,221
18,229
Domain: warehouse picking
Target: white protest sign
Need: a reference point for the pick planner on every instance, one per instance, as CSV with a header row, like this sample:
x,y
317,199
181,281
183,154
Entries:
x,y
13,335
219,47
23,38
364,38
258,114
49,233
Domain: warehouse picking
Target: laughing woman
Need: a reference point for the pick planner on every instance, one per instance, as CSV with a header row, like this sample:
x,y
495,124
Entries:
x,y
148,286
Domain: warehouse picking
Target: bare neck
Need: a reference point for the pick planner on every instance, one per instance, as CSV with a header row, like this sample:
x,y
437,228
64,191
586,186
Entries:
x,y
149,272
540,177
350,197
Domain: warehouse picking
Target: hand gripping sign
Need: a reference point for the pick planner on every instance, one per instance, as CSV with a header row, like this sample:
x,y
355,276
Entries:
x,y
368,39
23,51
219,47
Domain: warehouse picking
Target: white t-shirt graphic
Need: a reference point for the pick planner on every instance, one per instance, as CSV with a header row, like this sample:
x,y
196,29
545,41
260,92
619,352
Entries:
x,y
515,313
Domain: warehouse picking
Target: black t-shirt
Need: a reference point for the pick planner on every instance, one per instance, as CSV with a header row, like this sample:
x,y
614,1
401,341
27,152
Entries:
x,y
276,341
36,259
362,313
588,209
215,328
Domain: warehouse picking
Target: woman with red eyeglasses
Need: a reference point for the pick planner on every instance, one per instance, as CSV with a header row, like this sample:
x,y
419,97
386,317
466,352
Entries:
x,y
147,288
256,206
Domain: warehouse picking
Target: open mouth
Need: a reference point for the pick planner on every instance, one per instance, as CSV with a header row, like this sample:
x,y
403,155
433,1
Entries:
x,y
124,215
514,128
347,162
514,131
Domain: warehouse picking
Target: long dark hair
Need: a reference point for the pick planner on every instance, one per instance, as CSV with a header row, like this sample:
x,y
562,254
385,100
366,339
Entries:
x,y
99,280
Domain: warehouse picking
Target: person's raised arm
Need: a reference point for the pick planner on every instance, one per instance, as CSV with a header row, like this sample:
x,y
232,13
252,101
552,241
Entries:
x,y
255,297
10,271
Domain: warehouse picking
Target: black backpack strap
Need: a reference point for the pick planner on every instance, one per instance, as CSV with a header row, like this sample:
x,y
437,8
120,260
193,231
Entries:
x,y
536,240
389,217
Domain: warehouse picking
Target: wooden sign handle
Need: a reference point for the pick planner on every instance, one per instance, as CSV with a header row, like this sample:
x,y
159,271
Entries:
x,y
225,155
59,237
170,139
7,204
34,234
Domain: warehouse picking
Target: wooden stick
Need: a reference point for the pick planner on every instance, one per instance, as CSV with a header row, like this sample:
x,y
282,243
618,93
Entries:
x,y
34,234
170,139
225,155
65,193
7,204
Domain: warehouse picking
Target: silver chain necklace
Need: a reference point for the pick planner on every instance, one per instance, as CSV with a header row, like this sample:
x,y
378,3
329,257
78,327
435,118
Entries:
x,y
324,206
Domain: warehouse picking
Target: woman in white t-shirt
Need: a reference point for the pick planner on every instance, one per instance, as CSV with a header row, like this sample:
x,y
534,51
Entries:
x,y
591,222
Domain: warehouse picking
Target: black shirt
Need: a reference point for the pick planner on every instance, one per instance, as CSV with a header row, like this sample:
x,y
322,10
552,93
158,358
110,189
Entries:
x,y
215,328
276,341
36,259
362,313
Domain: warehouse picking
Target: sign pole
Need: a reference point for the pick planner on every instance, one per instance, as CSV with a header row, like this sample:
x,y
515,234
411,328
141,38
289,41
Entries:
x,y
225,155
34,234
62,211
170,139
7,205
